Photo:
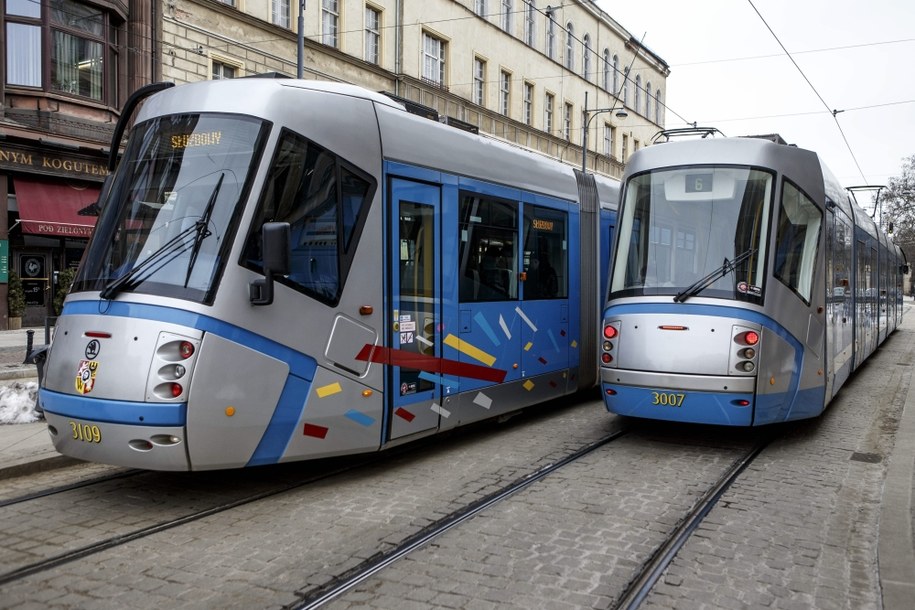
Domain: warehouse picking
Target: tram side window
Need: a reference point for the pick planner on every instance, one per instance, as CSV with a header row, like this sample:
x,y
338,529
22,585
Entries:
x,y
488,254
546,260
325,204
797,240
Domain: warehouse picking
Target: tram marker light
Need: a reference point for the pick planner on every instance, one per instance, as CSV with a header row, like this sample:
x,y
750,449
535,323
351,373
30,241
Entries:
x,y
186,349
610,331
176,390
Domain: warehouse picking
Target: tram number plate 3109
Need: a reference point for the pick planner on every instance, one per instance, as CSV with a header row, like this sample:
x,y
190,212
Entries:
x,y
667,399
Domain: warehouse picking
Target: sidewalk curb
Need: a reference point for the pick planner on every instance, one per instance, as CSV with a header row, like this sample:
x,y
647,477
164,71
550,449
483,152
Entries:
x,y
36,466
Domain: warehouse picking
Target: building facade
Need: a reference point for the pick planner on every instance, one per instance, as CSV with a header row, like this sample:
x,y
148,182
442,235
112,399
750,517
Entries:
x,y
523,71
519,70
66,67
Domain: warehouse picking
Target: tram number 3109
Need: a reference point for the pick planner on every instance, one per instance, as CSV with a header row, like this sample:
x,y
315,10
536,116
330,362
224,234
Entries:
x,y
668,399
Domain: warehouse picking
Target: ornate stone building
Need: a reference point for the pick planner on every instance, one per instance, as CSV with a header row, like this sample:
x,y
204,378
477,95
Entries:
x,y
66,67
524,71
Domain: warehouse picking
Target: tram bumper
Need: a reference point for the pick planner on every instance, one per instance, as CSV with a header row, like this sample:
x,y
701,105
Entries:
x,y
146,447
719,400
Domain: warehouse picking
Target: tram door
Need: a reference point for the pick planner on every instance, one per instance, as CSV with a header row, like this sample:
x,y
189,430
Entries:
x,y
414,393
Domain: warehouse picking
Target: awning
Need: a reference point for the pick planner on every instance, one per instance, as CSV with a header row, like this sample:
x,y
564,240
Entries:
x,y
50,208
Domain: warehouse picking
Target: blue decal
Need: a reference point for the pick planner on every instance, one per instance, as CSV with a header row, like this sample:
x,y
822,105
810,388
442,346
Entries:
x,y
480,319
282,424
360,418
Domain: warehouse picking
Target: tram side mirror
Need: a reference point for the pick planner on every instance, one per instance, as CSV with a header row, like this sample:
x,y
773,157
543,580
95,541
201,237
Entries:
x,y
275,249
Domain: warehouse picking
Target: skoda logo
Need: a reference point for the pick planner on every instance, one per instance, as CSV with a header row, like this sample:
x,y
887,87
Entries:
x,y
92,349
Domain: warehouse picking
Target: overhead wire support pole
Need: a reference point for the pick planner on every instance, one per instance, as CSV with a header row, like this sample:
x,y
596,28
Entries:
x,y
300,67
587,115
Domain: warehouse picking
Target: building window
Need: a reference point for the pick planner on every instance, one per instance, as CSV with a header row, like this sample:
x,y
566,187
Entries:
x,y
222,71
657,107
648,100
330,19
528,103
626,87
625,156
570,47
567,122
616,75
479,81
81,43
638,93
530,26
433,59
372,35
507,15
505,90
608,139
606,68
550,34
548,101
586,57
479,7
279,12
229,2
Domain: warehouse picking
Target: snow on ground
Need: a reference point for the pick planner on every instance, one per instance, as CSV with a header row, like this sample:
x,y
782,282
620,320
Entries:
x,y
18,402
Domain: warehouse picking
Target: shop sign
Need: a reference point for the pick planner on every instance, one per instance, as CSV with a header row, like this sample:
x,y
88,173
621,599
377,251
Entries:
x,y
33,160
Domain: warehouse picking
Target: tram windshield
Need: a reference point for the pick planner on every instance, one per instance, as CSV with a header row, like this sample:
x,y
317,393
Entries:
x,y
174,204
694,231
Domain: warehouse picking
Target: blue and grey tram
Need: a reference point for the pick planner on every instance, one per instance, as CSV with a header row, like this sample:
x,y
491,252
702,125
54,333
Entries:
x,y
285,270
746,285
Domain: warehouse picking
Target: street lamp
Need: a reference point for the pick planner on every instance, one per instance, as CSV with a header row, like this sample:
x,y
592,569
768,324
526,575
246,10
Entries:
x,y
587,115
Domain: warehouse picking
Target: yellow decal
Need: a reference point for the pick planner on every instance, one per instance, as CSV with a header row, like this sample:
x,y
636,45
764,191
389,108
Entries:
x,y
329,390
528,385
528,347
469,350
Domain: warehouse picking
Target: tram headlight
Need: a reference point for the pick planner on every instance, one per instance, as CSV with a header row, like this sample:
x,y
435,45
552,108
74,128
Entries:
x,y
610,331
607,346
746,366
748,353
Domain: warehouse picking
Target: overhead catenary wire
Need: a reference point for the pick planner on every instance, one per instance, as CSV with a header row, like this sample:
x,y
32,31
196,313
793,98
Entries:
x,y
834,112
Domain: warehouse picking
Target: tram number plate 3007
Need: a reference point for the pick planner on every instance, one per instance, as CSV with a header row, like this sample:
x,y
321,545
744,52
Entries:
x,y
88,433
667,399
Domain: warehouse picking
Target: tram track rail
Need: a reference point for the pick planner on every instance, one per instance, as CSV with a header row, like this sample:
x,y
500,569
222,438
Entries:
x,y
651,571
162,526
319,596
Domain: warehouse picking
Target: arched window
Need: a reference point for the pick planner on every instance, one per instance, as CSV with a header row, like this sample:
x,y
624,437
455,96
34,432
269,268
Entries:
x,y
530,26
550,34
616,74
638,93
586,57
606,66
626,87
648,100
657,107
570,47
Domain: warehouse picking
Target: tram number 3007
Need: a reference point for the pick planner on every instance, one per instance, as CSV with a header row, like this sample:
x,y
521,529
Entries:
x,y
668,399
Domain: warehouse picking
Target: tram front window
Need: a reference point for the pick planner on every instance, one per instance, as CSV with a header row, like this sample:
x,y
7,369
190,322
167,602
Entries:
x,y
694,231
173,206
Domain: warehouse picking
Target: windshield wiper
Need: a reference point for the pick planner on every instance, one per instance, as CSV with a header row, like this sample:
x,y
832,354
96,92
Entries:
x,y
202,227
162,256
703,283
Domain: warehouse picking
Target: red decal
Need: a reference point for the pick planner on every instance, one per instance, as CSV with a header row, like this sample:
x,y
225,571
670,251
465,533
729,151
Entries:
x,y
401,412
562,333
542,360
553,384
430,364
315,431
